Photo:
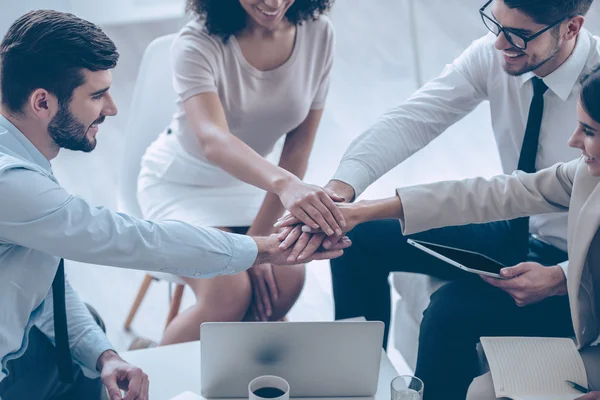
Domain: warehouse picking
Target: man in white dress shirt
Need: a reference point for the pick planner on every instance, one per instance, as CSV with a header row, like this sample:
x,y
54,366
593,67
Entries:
x,y
55,79
527,68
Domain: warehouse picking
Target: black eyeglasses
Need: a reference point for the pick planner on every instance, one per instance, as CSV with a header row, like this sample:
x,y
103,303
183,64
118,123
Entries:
x,y
519,41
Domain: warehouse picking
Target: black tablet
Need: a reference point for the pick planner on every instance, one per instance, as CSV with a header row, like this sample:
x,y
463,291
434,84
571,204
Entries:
x,y
469,261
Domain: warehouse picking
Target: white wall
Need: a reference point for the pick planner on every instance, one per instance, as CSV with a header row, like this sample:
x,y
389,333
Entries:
x,y
104,12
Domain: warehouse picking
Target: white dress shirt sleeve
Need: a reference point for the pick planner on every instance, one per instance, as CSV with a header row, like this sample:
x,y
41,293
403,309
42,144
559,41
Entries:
x,y
35,212
407,128
86,340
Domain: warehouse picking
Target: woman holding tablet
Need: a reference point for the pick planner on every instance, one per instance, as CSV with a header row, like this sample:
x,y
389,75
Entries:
x,y
574,186
246,73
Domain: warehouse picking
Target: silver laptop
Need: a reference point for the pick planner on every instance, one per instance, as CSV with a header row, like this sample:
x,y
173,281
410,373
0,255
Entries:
x,y
318,359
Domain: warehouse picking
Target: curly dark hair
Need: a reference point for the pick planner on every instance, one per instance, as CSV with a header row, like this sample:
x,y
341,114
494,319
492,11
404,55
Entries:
x,y
224,18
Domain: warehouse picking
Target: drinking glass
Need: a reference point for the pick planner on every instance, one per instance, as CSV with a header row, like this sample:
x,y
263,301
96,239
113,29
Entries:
x,y
406,387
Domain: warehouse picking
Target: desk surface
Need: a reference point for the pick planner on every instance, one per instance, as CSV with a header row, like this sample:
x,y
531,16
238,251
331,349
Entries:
x,y
176,369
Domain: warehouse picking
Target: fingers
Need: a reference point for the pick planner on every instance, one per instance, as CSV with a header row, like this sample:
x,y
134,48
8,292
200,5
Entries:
x,y
304,218
313,245
134,387
327,214
110,381
265,299
330,243
292,238
326,255
300,245
308,229
316,212
288,220
337,215
272,284
341,244
504,284
517,270
334,196
499,283
145,395
285,233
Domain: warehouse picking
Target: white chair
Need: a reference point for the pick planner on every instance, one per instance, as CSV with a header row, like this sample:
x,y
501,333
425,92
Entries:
x,y
152,107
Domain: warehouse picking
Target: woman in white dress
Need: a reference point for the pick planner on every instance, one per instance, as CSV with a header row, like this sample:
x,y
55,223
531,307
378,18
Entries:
x,y
246,73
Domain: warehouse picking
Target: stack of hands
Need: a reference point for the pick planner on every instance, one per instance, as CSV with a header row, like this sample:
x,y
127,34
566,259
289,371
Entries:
x,y
311,227
314,229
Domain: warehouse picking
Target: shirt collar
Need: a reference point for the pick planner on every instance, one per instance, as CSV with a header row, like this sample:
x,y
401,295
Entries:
x,y
563,80
27,150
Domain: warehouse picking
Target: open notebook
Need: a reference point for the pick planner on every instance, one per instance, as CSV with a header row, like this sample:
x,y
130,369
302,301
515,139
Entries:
x,y
525,368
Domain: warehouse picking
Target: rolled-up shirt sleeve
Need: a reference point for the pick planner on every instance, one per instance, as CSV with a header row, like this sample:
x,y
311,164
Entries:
x,y
37,213
86,340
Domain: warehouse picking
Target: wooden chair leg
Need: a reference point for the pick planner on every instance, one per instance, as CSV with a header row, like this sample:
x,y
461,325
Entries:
x,y
175,304
138,300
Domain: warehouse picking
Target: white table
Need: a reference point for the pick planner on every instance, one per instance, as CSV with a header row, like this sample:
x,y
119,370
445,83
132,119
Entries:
x,y
176,369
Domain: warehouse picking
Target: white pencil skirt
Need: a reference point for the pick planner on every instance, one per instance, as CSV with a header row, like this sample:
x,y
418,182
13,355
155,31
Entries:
x,y
175,185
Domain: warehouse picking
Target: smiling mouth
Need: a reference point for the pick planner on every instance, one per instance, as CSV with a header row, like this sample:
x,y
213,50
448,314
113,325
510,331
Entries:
x,y
513,55
97,122
268,13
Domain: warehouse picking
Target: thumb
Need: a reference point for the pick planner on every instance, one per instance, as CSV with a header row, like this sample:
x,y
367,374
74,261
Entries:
x,y
112,387
334,196
517,270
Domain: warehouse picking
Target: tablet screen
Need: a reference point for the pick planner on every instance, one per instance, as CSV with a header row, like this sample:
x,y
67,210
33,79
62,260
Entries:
x,y
466,258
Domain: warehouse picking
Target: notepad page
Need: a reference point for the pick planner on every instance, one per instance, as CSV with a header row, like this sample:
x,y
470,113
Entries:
x,y
534,366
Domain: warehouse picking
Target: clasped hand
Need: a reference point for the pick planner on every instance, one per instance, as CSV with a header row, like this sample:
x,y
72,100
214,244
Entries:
x,y
305,240
313,206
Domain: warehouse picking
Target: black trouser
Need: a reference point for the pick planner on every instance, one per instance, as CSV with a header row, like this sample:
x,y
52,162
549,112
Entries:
x,y
34,376
461,311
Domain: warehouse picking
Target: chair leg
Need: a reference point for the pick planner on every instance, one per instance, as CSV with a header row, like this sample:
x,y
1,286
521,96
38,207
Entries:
x,y
138,300
175,304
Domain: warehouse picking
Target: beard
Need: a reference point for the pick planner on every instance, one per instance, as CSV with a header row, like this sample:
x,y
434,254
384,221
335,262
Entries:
x,y
69,133
552,52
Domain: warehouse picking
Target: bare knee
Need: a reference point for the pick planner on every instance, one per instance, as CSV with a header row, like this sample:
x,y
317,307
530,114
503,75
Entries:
x,y
223,298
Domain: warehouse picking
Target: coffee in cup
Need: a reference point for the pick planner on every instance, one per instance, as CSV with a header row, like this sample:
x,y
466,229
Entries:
x,y
268,387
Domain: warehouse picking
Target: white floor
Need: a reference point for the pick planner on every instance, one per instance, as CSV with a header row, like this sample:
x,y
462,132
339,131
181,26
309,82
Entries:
x,y
374,70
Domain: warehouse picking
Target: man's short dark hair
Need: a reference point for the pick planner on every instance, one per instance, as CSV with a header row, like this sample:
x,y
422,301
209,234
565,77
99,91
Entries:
x,y
590,93
47,49
547,12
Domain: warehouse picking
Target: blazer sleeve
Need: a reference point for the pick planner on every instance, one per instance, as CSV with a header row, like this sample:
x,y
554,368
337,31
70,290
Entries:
x,y
478,200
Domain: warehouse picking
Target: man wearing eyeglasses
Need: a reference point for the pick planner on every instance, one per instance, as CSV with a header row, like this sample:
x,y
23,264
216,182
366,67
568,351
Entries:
x,y
527,68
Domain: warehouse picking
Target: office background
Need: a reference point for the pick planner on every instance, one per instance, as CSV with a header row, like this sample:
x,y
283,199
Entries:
x,y
375,69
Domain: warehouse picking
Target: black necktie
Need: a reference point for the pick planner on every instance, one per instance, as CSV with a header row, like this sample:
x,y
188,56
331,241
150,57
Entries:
x,y
520,226
61,333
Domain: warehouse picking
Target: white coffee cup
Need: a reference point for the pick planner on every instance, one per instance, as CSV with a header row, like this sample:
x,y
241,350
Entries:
x,y
269,387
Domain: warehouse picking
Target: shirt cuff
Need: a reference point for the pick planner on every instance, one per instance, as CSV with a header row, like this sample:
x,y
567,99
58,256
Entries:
x,y
565,267
243,254
89,349
354,174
